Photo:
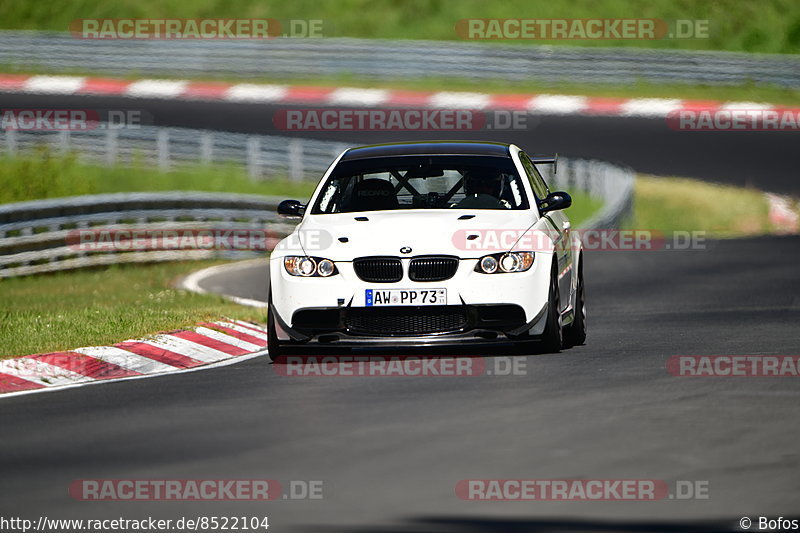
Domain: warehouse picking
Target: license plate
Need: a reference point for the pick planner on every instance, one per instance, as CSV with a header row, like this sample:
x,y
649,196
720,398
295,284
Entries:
x,y
377,297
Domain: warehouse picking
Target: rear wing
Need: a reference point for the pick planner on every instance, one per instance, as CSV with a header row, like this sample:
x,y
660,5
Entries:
x,y
546,160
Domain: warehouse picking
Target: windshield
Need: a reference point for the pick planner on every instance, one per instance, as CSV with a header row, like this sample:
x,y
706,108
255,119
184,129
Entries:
x,y
422,182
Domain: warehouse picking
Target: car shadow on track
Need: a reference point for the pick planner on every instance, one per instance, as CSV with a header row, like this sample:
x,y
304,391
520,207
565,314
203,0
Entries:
x,y
473,350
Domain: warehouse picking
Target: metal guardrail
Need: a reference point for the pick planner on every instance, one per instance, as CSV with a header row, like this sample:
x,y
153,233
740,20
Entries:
x,y
40,236
263,155
392,59
609,182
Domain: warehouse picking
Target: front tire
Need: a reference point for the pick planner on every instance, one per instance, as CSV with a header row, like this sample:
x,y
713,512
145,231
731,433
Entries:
x,y
575,333
273,345
552,338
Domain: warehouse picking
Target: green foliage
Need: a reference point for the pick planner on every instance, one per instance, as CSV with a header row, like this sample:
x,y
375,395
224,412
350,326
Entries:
x,y
103,306
769,26
43,174
680,204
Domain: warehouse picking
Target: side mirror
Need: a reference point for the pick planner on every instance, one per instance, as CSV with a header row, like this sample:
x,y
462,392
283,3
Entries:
x,y
555,201
291,208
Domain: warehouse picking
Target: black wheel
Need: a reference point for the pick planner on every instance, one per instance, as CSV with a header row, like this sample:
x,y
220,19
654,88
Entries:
x,y
273,346
551,338
575,333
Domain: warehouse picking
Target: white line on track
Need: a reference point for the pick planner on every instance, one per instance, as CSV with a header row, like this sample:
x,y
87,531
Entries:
x,y
248,92
650,107
156,88
358,97
54,84
459,100
558,104
193,280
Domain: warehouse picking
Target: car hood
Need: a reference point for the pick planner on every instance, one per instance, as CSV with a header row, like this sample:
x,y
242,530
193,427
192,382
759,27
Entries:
x,y
386,232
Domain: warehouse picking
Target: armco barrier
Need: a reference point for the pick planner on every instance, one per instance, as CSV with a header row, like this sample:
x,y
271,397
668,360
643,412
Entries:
x,y
391,59
34,236
264,156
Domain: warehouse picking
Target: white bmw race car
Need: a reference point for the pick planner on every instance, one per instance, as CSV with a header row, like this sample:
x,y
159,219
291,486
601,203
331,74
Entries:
x,y
428,243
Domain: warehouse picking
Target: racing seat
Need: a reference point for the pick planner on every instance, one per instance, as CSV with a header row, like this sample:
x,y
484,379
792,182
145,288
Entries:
x,y
373,195
483,188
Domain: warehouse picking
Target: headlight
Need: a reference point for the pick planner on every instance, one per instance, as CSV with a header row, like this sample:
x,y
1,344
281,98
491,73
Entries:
x,y
307,267
505,263
488,264
325,268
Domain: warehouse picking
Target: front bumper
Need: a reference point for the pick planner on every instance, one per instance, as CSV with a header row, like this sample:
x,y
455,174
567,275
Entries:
x,y
407,325
479,308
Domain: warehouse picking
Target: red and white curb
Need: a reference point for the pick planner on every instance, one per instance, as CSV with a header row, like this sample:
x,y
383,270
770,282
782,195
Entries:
x,y
558,104
781,215
209,344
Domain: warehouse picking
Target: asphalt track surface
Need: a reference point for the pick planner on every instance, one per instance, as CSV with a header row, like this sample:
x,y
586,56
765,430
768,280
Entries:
x,y
391,450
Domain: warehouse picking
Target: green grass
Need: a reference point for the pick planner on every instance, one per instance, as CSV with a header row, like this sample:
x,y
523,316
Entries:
x,y
771,26
583,207
46,175
98,307
680,204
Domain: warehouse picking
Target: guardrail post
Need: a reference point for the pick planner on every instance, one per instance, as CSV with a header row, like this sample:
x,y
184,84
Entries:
x,y
572,181
206,147
253,153
112,145
296,171
162,146
63,141
11,142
